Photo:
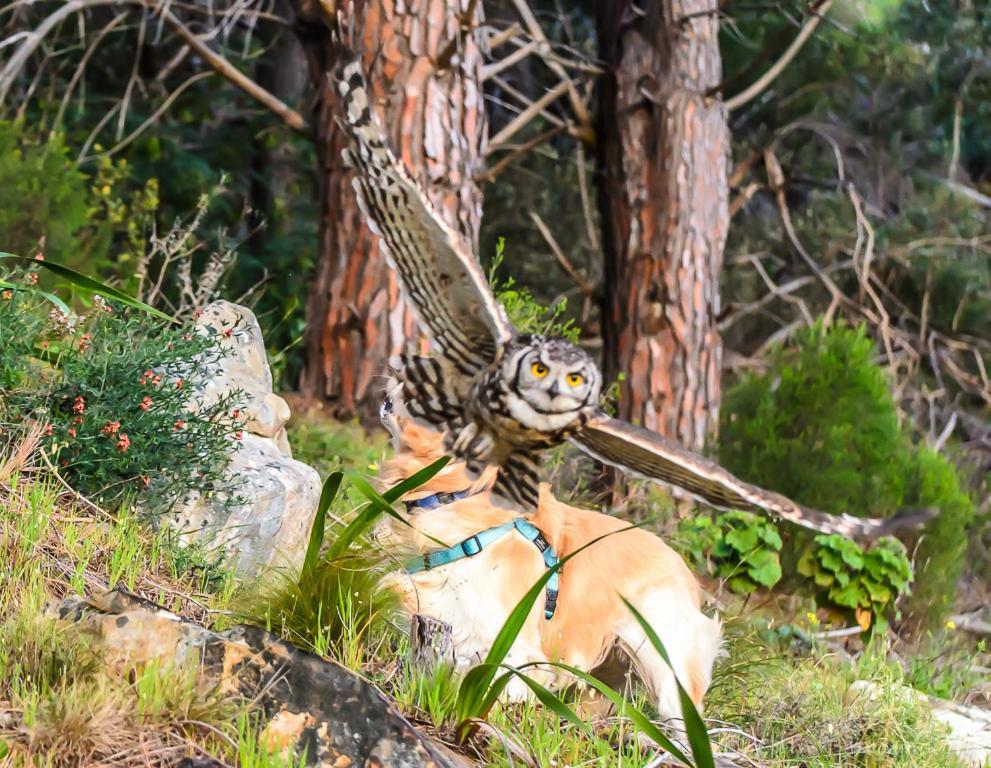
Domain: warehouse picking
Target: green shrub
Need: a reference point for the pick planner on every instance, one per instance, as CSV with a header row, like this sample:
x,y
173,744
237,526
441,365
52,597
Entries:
x,y
47,205
821,426
736,546
112,391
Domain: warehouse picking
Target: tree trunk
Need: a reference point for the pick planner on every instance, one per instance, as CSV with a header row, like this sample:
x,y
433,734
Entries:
x,y
663,154
423,66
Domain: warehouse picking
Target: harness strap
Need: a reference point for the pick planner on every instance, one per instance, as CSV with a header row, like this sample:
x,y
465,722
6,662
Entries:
x,y
435,500
475,544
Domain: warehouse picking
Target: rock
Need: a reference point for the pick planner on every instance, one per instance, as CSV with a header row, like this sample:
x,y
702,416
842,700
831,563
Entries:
x,y
265,520
309,703
245,368
969,727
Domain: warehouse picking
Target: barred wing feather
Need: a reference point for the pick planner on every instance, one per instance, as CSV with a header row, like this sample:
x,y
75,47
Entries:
x,y
652,456
436,266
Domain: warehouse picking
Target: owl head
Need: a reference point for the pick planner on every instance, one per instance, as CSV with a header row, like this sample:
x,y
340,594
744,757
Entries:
x,y
552,376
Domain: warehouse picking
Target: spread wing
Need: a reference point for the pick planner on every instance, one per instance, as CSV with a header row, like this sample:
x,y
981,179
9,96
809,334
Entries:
x,y
647,453
435,264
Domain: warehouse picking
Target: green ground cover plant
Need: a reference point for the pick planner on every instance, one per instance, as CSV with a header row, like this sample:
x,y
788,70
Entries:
x,y
821,426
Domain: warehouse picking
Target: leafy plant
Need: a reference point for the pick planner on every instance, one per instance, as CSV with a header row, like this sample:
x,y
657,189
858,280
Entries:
x,y
739,547
862,585
821,426
113,392
525,312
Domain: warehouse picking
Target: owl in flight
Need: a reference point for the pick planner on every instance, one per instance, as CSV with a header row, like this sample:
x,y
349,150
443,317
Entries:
x,y
503,397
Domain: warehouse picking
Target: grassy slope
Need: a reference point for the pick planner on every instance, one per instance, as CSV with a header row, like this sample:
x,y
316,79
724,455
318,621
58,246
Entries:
x,y
57,705
775,705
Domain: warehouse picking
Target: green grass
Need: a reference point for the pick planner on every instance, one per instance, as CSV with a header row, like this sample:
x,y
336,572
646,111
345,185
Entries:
x,y
775,703
60,706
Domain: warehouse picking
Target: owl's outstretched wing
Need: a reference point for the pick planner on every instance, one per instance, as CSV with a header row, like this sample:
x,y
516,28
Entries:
x,y
647,453
437,269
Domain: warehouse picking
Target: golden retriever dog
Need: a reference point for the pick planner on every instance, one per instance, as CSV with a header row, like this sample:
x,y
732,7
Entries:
x,y
475,594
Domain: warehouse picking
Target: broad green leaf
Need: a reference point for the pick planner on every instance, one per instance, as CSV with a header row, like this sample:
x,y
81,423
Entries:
x,y
764,567
742,539
698,735
830,560
89,285
771,537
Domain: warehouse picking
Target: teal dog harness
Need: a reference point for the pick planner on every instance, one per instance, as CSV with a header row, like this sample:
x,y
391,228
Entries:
x,y
475,544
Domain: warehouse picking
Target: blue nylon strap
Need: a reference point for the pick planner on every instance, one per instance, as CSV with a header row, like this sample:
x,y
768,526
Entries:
x,y
435,500
475,544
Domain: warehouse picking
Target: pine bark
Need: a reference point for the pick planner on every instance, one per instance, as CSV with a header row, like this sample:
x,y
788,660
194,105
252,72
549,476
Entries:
x,y
664,155
423,65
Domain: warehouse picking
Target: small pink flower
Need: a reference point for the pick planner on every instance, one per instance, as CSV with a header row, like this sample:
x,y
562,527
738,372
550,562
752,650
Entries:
x,y
123,442
79,404
84,341
32,278
39,256
228,332
239,435
7,295
179,425
180,383
146,403
72,431
145,481
111,428
48,430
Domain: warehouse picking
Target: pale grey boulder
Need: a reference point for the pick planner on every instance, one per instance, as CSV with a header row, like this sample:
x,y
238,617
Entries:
x,y
262,517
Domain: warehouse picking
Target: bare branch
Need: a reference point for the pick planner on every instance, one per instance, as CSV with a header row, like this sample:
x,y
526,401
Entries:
x,y
815,16
490,173
524,117
587,288
217,62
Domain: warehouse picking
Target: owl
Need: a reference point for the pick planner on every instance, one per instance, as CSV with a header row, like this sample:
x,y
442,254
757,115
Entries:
x,y
504,397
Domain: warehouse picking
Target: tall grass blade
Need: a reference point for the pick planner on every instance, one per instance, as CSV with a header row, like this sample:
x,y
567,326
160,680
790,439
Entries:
x,y
51,298
89,284
330,488
698,735
381,503
625,708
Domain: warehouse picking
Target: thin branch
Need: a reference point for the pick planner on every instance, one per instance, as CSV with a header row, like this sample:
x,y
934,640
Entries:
x,y
537,33
107,29
748,94
162,109
524,117
587,288
490,173
217,62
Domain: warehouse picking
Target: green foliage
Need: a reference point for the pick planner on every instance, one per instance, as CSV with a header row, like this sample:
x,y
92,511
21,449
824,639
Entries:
x,y
861,585
112,390
821,426
48,205
526,313
739,547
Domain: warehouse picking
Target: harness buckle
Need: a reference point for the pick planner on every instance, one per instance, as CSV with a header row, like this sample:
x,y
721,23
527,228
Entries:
x,y
471,547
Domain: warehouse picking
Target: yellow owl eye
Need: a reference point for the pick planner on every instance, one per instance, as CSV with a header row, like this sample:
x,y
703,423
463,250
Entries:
x,y
575,379
539,370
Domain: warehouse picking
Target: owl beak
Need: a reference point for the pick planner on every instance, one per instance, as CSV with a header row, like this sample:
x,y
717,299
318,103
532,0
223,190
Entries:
x,y
554,391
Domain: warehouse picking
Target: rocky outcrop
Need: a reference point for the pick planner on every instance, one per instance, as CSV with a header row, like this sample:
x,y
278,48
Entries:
x,y
309,704
265,519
